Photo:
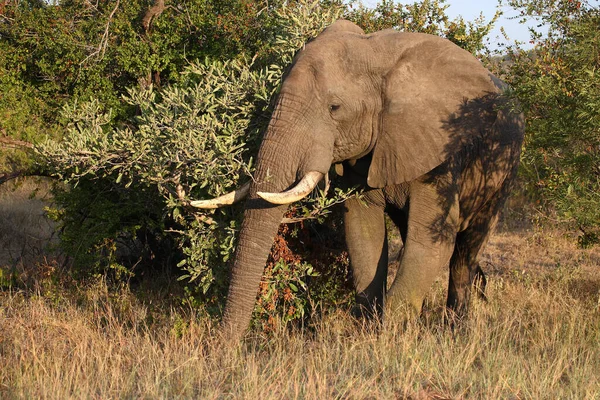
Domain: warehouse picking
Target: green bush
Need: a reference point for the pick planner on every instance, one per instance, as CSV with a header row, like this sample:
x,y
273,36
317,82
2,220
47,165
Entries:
x,y
126,180
558,85
62,53
427,17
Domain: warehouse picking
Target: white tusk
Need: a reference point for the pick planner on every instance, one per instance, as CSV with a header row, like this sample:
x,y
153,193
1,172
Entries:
x,y
224,200
301,190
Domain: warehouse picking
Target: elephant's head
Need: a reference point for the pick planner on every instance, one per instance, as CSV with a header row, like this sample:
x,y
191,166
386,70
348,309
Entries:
x,y
347,95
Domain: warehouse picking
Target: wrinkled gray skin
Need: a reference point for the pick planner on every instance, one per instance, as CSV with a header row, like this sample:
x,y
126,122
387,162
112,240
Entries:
x,y
416,121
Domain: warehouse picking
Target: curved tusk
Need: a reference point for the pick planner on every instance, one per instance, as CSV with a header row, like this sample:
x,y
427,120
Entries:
x,y
224,200
301,190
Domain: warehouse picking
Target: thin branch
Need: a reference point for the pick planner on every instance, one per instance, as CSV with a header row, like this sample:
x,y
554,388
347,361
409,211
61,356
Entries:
x,y
101,50
8,176
94,6
295,220
14,143
204,219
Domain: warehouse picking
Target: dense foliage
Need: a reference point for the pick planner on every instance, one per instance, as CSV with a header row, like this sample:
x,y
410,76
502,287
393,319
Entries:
x,y
558,84
166,154
427,17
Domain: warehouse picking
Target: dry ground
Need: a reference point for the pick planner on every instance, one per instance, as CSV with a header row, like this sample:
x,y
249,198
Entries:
x,y
537,337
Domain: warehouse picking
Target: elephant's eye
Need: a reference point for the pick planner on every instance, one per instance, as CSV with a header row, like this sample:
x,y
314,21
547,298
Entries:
x,y
334,107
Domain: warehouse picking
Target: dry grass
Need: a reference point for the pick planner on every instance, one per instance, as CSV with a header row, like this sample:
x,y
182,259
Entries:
x,y
538,337
25,232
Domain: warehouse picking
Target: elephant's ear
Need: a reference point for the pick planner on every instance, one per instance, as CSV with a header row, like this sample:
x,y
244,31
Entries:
x,y
429,85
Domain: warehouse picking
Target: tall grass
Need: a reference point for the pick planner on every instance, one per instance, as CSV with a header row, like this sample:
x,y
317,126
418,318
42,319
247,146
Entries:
x,y
537,337
532,339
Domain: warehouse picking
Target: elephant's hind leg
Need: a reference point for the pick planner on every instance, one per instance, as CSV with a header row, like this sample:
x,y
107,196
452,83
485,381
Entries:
x,y
366,237
465,271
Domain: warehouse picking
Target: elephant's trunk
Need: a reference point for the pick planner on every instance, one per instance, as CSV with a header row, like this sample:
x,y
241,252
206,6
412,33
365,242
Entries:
x,y
255,241
259,227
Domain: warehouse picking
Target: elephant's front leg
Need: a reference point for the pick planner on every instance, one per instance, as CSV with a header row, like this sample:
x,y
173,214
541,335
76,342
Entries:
x,y
366,237
433,215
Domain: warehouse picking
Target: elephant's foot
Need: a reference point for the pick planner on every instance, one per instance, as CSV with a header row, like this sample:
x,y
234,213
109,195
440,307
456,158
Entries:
x,y
368,312
459,298
458,302
367,307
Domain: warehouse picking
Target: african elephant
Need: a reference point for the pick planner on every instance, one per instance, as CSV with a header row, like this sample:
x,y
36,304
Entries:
x,y
415,121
